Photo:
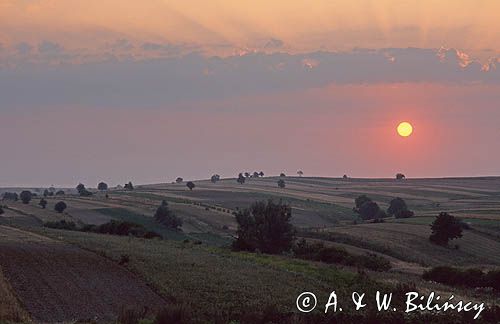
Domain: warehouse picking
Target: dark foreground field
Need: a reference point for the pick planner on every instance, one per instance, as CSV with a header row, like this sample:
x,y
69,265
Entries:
x,y
56,275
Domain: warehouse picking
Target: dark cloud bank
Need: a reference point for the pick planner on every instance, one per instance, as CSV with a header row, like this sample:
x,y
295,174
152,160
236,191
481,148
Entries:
x,y
156,82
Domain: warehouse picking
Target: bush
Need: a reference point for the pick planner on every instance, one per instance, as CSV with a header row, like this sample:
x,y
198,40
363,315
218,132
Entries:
x,y
122,229
62,224
26,196
265,227
60,206
166,217
404,214
472,278
319,252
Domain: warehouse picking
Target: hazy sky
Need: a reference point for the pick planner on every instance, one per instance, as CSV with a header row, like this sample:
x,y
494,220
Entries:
x,y
151,90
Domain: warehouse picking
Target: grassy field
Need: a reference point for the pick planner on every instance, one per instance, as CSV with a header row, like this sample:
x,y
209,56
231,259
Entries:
x,y
209,274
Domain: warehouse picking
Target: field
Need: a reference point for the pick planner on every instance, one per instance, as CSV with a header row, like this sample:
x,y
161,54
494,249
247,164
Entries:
x,y
195,266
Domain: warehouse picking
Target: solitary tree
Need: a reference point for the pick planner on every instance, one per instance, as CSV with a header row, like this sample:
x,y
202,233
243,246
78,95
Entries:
x,y
281,183
256,174
241,178
300,173
60,206
247,174
445,228
42,203
166,217
102,186
26,196
261,173
179,180
129,186
396,206
345,177
400,176
215,178
282,174
265,227
80,188
190,185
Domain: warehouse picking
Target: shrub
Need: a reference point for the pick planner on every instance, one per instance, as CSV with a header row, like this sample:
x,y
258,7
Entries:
x,y
319,252
166,217
62,224
60,206
472,278
404,214
444,228
26,196
265,227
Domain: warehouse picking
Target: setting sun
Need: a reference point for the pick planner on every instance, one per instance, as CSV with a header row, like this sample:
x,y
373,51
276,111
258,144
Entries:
x,y
405,129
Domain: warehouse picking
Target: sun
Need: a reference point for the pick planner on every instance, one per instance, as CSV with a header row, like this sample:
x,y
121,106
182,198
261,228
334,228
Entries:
x,y
405,129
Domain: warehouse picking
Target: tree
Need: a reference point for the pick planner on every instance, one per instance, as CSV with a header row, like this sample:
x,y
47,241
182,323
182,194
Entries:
x,y
396,205
370,210
265,227
10,196
60,206
46,193
300,173
215,178
247,175
361,200
261,174
102,186
241,178
190,185
42,203
256,174
445,228
281,183
80,188
60,193
166,217
129,186
282,174
1,210
179,180
345,177
400,176
26,196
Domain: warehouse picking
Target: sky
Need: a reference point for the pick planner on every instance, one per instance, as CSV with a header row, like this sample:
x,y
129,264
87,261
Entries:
x,y
146,91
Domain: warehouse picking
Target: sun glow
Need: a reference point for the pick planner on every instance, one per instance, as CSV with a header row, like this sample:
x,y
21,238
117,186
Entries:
x,y
405,129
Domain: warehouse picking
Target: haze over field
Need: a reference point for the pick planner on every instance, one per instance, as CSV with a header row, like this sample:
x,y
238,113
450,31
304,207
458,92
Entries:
x,y
120,91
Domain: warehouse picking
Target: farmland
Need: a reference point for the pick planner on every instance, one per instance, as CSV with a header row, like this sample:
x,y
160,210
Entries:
x,y
195,266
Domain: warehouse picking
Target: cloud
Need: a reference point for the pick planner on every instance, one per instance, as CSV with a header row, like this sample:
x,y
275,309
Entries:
x,y
48,47
162,81
23,48
274,43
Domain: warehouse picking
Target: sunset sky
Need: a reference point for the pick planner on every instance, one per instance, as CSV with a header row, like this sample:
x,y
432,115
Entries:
x,y
150,90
